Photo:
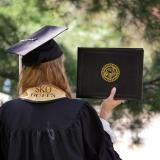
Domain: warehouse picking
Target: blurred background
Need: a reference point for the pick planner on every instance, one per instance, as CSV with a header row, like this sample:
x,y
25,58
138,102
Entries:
x,y
95,23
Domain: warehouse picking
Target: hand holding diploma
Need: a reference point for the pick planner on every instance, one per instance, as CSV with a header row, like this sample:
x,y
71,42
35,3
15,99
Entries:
x,y
109,104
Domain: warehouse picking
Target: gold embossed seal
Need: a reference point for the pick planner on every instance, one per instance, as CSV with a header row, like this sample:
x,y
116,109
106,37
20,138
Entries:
x,y
110,72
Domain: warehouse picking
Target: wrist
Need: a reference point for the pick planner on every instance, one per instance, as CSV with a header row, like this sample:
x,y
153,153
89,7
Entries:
x,y
105,113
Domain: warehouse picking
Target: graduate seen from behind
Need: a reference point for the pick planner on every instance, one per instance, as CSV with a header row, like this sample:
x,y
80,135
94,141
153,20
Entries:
x,y
45,122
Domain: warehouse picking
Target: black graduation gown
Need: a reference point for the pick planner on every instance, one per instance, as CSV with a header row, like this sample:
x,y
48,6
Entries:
x,y
61,129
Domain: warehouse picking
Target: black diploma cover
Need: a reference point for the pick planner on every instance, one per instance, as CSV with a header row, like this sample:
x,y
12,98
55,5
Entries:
x,y
101,69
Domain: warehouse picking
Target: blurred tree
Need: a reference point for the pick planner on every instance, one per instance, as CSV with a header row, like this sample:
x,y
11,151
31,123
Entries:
x,y
129,24
27,16
138,25
8,64
102,23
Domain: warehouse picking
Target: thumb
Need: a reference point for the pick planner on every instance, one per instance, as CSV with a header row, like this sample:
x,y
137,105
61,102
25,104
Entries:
x,y
113,92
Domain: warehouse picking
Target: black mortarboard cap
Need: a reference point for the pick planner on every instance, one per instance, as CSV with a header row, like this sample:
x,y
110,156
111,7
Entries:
x,y
101,69
39,47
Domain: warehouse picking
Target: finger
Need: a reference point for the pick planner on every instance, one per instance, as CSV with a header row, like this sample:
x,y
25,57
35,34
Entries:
x,y
123,101
113,92
118,102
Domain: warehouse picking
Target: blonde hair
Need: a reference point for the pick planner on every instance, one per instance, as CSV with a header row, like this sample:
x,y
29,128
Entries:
x,y
51,72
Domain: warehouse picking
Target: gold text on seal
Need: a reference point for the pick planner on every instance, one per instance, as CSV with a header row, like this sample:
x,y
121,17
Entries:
x,y
110,72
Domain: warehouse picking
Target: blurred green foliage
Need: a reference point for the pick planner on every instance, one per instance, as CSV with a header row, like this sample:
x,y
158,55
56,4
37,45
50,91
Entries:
x,y
92,23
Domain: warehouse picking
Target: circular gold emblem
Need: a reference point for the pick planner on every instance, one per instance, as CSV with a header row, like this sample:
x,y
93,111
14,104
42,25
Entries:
x,y
110,72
